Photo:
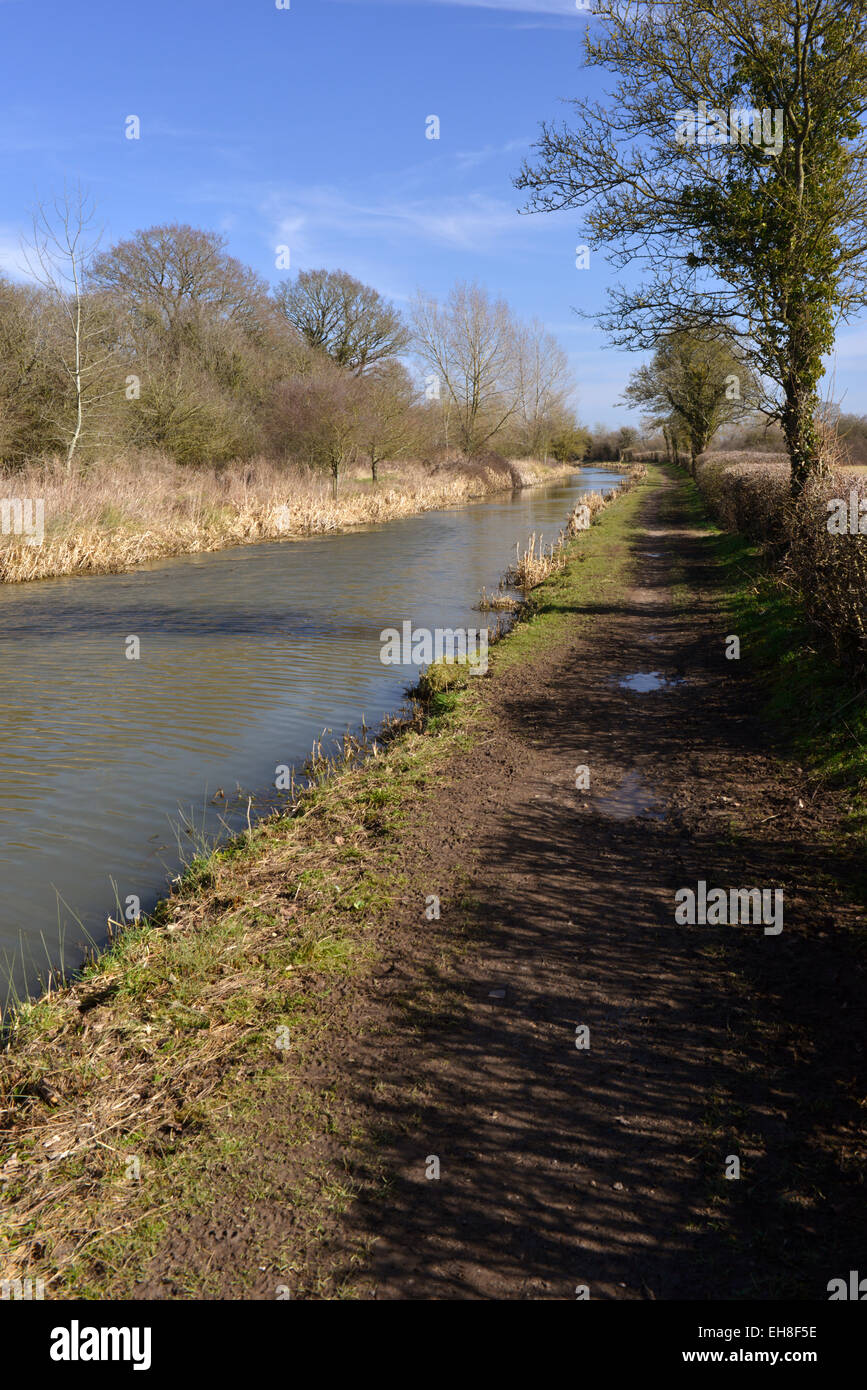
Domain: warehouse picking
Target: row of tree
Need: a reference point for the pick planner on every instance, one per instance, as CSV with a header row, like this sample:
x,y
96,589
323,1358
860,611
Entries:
x,y
165,341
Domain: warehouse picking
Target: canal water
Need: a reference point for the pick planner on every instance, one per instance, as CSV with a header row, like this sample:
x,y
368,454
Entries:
x,y
109,766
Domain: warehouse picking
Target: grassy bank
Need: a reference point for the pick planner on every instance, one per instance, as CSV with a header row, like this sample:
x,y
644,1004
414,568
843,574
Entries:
x,y
819,709
133,1094
109,519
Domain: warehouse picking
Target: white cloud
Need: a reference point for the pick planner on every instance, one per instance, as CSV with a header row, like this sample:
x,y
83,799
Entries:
x,y
460,221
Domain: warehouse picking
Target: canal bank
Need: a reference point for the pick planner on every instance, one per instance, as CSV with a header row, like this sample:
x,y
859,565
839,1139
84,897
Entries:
x,y
344,1059
118,518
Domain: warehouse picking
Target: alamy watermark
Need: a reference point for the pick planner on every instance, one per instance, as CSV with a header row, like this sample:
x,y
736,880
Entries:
x,y
847,520
420,646
23,516
22,1290
730,907
855,1288
77,1343
763,129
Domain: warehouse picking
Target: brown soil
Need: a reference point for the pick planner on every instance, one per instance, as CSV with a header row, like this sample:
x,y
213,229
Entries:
x,y
604,1167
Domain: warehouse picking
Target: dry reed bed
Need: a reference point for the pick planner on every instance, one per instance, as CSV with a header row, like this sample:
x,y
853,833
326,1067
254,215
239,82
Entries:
x,y
111,519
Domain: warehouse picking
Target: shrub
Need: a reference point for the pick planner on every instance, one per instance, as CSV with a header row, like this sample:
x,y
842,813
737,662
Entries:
x,y
750,494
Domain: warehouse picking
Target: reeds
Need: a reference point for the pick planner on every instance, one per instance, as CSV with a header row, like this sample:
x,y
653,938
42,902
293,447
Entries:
x,y
498,602
536,562
115,516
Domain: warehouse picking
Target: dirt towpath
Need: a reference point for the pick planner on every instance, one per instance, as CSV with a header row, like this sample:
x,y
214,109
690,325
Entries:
x,y
605,1166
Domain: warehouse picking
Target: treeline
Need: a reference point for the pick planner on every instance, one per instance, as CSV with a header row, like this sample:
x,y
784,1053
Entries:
x,y
610,446
699,392
165,342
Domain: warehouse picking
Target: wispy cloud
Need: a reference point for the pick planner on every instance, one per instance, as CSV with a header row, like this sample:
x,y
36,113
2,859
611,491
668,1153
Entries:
x,y
459,222
302,216
471,159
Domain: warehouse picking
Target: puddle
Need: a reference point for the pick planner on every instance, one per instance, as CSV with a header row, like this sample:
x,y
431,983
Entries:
x,y
651,554
642,681
631,799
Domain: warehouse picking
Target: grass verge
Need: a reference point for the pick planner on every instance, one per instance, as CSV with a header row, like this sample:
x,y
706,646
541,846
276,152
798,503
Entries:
x,y
819,711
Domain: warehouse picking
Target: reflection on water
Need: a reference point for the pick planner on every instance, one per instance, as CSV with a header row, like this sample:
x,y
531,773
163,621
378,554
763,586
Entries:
x,y
246,655
629,799
643,681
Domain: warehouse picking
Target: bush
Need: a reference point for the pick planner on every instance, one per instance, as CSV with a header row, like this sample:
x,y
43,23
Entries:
x,y
746,492
829,571
750,494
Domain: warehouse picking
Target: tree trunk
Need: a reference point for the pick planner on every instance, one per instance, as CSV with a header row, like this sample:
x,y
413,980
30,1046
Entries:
x,y
79,404
799,427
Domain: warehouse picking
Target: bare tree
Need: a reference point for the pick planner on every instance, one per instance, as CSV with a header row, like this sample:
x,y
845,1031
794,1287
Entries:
x,y
543,384
471,344
387,427
342,317
64,242
175,275
318,416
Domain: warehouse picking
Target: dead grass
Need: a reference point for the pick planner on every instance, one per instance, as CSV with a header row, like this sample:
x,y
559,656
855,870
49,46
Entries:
x,y
119,1066
117,516
535,562
498,602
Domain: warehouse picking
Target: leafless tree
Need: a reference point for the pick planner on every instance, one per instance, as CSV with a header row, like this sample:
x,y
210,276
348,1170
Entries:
x,y
64,242
176,275
543,380
387,426
318,417
471,344
342,317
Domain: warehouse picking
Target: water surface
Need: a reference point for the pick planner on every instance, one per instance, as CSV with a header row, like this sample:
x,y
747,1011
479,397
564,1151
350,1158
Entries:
x,y
109,766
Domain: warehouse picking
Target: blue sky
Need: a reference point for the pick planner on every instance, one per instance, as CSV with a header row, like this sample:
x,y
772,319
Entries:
x,y
306,127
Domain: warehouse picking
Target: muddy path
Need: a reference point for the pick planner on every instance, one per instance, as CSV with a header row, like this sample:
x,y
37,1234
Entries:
x,y
601,1166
